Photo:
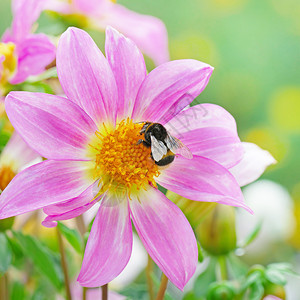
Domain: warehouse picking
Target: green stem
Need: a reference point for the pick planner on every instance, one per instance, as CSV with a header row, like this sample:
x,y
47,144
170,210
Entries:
x,y
223,267
149,270
162,287
4,287
80,225
104,289
84,290
82,230
64,264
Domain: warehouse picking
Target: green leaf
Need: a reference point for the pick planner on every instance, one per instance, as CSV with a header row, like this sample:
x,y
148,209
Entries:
x,y
50,73
236,267
72,236
251,237
256,291
275,276
283,267
205,278
190,296
136,292
89,227
18,255
4,137
5,254
17,291
42,258
40,87
254,277
200,253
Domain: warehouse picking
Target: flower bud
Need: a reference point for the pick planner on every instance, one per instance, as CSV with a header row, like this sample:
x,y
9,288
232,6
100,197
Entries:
x,y
216,233
221,291
275,290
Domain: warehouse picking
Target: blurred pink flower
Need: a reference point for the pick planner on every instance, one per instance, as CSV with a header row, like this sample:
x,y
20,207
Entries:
x,y
148,32
23,53
271,297
90,140
13,158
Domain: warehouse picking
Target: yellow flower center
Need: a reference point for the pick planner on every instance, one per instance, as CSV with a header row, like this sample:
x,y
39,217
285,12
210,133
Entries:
x,y
120,162
6,175
9,64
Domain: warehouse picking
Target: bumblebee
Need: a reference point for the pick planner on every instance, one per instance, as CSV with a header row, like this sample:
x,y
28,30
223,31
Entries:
x,y
163,145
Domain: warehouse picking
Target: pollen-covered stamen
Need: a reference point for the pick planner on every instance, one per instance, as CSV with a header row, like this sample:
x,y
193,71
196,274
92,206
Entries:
x,y
6,175
8,60
120,161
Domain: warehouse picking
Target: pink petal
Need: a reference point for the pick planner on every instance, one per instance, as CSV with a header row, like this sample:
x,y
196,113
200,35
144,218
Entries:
x,y
202,116
51,221
253,164
25,13
53,126
271,297
90,6
43,184
166,235
17,153
59,6
209,131
109,245
217,144
128,66
34,53
148,32
84,198
202,179
86,76
167,86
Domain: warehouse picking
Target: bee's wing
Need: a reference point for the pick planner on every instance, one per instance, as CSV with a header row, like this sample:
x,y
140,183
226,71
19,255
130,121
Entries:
x,y
158,149
177,147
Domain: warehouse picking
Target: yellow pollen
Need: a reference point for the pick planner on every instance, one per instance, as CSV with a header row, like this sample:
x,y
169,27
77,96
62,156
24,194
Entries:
x,y
6,175
9,64
120,162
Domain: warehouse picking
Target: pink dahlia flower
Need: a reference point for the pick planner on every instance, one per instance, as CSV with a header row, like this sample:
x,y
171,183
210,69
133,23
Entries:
x,y
148,32
23,53
91,141
13,158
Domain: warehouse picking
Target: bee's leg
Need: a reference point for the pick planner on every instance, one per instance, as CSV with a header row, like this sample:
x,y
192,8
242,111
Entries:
x,y
144,143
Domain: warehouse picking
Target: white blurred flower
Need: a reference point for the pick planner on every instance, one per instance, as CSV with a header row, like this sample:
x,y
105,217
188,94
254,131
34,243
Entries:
x,y
273,206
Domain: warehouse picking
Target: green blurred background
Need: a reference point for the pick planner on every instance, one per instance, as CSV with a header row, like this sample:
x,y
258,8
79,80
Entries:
x,y
255,49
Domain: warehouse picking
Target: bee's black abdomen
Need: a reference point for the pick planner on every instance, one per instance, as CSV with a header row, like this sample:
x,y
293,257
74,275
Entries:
x,y
165,161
